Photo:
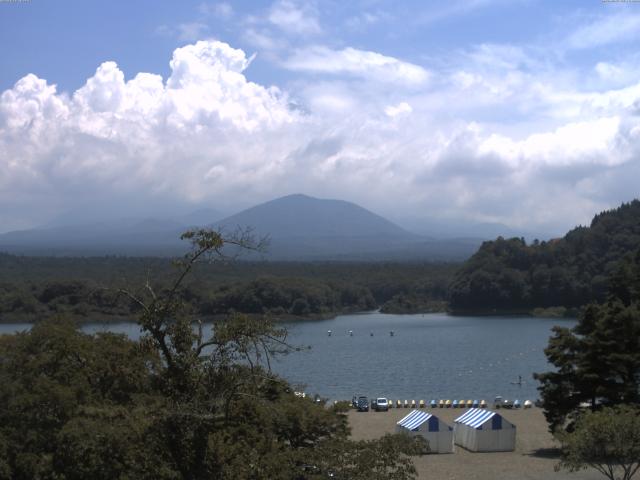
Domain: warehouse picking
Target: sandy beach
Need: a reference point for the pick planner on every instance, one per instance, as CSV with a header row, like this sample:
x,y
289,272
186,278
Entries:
x,y
534,458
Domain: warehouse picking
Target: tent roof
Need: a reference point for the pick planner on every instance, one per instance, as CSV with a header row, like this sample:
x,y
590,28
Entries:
x,y
414,419
475,417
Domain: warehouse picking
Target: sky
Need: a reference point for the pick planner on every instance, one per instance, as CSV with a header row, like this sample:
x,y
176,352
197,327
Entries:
x,y
521,112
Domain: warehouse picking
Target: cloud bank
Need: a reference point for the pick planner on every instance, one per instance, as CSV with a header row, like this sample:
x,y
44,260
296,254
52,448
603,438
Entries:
x,y
492,136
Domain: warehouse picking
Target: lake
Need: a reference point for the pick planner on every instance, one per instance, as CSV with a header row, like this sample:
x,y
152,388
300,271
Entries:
x,y
429,356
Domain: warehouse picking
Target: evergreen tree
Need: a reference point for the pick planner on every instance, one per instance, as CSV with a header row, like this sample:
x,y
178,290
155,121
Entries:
x,y
598,361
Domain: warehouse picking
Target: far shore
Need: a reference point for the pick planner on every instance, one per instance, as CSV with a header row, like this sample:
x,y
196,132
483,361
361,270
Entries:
x,y
114,319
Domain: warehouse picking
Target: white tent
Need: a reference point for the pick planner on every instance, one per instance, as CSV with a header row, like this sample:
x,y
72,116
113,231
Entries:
x,y
482,430
437,433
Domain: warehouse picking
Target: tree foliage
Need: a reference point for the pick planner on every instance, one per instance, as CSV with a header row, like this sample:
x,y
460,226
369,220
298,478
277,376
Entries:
x,y
598,361
509,275
607,440
181,403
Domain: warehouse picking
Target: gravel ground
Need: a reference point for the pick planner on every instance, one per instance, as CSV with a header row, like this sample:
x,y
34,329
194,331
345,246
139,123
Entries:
x,y
533,459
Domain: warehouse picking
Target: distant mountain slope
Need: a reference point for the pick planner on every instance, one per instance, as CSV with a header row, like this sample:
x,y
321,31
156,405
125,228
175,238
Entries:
x,y
303,216
300,228
132,236
570,272
306,228
144,237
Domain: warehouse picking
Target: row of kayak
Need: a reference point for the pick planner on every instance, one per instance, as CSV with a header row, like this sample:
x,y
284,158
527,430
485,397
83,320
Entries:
x,y
459,404
439,404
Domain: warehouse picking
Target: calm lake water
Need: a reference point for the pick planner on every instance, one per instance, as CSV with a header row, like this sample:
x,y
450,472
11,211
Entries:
x,y
429,356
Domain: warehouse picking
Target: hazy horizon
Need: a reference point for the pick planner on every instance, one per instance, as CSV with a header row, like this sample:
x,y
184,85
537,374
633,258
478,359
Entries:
x,y
183,217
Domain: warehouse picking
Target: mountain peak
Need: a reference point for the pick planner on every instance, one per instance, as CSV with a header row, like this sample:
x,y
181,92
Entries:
x,y
299,215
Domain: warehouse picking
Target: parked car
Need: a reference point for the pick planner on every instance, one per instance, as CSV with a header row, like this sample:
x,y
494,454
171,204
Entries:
x,y
382,404
363,404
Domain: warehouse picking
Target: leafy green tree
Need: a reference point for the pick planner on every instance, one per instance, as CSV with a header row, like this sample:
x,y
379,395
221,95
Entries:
x,y
54,376
607,440
388,457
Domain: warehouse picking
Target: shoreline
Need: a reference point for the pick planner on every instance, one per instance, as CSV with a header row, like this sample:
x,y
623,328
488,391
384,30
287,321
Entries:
x,y
116,319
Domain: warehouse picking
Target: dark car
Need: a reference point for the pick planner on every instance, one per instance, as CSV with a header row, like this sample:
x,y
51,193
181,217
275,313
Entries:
x,y
363,404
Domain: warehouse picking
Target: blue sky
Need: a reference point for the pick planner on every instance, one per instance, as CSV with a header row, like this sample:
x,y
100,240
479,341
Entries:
x,y
522,112
64,41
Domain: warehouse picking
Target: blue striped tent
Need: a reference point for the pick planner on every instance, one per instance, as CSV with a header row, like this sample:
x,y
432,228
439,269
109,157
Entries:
x,y
436,432
482,430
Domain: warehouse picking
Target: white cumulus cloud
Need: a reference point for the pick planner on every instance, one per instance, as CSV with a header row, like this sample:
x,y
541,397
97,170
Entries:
x,y
485,139
141,134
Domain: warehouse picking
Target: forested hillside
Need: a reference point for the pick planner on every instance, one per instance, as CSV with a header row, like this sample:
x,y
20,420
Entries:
x,y
34,288
509,275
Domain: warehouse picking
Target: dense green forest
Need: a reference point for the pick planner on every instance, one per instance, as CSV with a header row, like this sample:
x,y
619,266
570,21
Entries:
x,y
509,275
34,288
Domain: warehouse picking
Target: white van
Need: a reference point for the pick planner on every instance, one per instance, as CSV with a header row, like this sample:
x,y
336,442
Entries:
x,y
382,404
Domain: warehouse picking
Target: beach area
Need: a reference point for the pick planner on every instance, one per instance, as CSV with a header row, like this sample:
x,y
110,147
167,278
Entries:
x,y
534,458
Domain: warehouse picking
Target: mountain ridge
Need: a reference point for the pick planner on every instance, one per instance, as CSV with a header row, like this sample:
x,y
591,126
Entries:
x,y
299,226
